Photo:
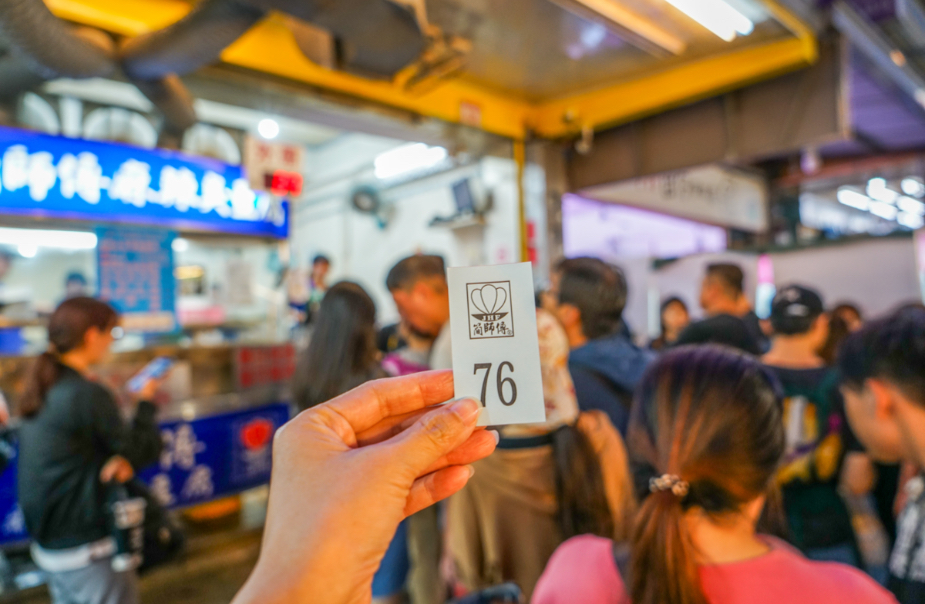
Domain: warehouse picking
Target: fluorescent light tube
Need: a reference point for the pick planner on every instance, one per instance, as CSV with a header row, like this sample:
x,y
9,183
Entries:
x,y
406,159
62,240
854,199
717,16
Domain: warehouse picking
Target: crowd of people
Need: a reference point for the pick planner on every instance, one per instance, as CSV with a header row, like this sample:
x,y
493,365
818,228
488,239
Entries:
x,y
729,460
718,458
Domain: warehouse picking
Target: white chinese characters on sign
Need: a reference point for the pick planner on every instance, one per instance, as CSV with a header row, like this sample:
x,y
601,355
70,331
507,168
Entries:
x,y
162,490
199,484
81,177
180,449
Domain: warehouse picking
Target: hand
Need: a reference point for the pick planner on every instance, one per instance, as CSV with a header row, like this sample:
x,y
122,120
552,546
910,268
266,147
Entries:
x,y
149,390
117,469
347,472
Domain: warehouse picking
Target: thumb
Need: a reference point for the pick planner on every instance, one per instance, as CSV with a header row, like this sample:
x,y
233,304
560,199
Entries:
x,y
436,434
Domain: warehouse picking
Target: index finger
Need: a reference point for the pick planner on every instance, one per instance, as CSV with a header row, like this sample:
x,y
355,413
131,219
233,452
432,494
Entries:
x,y
366,406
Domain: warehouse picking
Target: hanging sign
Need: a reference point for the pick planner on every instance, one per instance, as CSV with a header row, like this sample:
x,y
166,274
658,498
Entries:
x,y
57,177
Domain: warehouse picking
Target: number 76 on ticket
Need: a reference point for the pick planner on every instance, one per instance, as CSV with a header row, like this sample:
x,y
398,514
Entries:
x,y
496,357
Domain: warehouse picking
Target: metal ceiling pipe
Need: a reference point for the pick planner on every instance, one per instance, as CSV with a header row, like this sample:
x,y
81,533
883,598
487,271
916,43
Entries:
x,y
376,37
877,48
192,42
51,47
16,76
911,15
173,99
152,61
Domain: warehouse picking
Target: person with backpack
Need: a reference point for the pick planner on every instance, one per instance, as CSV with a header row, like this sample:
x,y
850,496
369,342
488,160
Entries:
x,y
72,445
819,441
707,423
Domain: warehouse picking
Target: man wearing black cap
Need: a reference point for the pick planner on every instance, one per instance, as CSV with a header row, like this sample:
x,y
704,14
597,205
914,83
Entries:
x,y
818,438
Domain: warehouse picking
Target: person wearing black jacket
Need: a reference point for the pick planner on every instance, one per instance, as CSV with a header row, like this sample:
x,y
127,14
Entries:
x,y
72,445
722,297
589,296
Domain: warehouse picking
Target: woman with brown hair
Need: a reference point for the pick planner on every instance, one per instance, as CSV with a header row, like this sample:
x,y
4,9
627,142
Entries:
x,y
72,444
707,422
547,482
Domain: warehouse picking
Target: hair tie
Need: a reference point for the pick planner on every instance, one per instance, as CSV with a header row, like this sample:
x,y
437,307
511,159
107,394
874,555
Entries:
x,y
669,482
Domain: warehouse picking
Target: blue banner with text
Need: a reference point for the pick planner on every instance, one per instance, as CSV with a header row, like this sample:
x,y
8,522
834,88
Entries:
x,y
57,177
203,459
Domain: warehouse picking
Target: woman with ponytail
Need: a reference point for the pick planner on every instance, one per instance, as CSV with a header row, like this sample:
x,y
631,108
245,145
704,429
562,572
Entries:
x,y
707,424
72,444
547,482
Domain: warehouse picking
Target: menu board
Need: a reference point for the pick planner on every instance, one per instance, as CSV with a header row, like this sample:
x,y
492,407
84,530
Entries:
x,y
135,268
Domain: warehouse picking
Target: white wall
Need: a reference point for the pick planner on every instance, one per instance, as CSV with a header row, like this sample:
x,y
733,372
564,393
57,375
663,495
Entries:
x,y
44,274
683,277
878,275
363,251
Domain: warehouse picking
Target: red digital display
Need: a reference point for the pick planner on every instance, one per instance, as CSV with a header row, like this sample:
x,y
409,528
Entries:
x,y
283,183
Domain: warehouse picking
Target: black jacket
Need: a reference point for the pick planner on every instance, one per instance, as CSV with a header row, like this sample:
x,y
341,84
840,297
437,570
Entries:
x,y
720,329
61,452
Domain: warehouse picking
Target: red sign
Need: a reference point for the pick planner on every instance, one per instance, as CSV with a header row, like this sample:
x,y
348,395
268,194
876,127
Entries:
x,y
273,167
256,434
283,183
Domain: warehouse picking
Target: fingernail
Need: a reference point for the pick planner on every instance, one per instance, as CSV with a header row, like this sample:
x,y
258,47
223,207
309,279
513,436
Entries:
x,y
497,436
468,409
471,471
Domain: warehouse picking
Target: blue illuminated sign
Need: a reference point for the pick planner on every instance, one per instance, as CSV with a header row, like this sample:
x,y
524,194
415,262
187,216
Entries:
x,y
57,177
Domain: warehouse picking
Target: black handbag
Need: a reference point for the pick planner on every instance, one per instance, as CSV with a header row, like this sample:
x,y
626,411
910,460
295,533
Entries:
x,y
164,541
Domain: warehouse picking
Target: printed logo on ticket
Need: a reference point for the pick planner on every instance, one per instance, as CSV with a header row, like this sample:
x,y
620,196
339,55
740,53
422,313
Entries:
x,y
489,307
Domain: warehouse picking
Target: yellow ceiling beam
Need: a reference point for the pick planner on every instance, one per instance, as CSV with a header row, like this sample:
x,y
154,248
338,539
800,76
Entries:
x,y
649,94
124,17
269,47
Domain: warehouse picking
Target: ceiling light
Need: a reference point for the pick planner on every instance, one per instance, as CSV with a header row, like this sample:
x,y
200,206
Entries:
x,y
877,189
853,199
408,158
180,245
717,16
62,240
913,186
912,221
267,128
638,29
883,210
27,250
913,206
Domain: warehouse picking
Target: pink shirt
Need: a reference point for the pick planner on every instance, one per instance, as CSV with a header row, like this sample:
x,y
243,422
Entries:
x,y
583,570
